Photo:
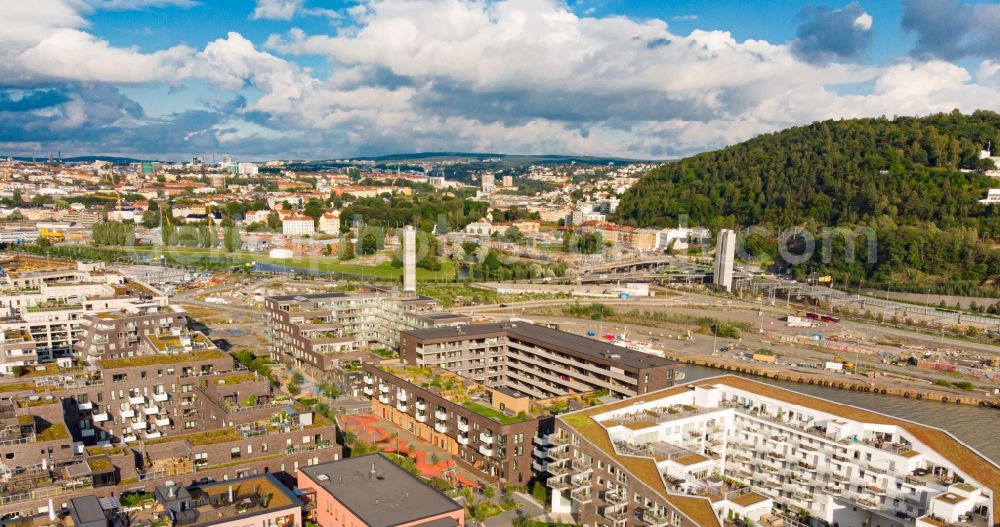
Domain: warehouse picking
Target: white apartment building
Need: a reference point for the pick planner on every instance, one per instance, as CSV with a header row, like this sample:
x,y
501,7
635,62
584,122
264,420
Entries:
x,y
42,320
297,226
838,463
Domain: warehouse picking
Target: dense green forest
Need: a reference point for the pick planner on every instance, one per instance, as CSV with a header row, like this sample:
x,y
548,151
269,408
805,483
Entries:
x,y
916,182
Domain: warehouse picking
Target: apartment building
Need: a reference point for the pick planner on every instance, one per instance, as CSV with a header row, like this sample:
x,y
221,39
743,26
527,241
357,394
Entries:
x,y
539,361
487,430
372,491
298,226
315,330
253,500
50,307
127,332
136,422
729,447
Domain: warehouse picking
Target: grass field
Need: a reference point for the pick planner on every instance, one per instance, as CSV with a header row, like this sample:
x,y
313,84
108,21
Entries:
x,y
323,264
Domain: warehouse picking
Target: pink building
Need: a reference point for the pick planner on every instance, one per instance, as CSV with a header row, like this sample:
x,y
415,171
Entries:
x,y
371,491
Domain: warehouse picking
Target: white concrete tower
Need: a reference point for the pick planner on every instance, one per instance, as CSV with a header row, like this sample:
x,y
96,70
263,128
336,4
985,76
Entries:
x,y
725,251
409,259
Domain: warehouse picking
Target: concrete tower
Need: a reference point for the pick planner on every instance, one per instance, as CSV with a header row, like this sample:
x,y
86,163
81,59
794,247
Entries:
x,y
725,251
409,259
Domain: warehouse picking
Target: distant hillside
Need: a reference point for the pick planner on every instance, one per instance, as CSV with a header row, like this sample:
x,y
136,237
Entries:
x,y
81,159
911,179
508,158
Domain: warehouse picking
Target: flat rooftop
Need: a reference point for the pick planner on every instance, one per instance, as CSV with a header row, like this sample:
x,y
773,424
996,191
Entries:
x,y
390,496
583,422
596,350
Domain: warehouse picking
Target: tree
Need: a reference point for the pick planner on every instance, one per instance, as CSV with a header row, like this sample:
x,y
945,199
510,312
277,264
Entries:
x,y
314,209
346,247
150,218
274,221
371,240
168,235
231,239
540,493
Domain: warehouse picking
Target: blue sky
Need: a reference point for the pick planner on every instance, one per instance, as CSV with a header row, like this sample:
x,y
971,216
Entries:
x,y
262,79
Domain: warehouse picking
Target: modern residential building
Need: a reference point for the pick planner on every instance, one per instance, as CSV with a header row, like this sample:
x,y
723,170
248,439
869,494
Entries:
x,y
51,306
486,430
130,331
298,226
372,491
536,360
137,422
315,330
481,391
489,183
259,500
727,447
725,252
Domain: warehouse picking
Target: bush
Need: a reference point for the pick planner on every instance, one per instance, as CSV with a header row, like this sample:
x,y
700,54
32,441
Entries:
x,y
540,493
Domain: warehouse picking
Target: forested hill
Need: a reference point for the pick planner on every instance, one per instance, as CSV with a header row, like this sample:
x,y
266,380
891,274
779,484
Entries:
x,y
903,177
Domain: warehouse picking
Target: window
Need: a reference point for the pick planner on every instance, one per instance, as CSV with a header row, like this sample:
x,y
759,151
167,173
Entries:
x,y
201,459
234,453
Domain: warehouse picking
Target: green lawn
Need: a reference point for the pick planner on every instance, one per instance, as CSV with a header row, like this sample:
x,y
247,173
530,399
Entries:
x,y
493,414
325,264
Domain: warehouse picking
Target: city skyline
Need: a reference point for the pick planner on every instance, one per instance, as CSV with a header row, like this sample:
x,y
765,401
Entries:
x,y
171,79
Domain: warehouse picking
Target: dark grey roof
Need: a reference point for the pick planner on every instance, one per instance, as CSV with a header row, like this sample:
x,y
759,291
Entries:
x,y
448,332
597,350
87,509
392,497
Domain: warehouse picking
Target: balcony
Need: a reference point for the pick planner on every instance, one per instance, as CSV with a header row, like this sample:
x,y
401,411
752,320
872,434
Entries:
x,y
582,495
463,440
559,454
440,415
421,405
369,379
138,425
615,497
486,450
440,427
128,414
383,388
486,438
539,453
384,399
463,426
163,422
154,434
401,406
161,397
401,396
138,399
540,467
654,517
131,438
559,484
368,390
151,410
101,417
85,406
614,516
541,440
421,417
